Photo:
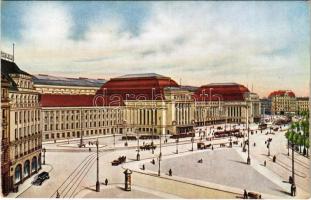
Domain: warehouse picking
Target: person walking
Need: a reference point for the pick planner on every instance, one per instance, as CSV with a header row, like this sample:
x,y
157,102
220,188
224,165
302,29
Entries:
x,y
106,181
170,173
57,194
245,194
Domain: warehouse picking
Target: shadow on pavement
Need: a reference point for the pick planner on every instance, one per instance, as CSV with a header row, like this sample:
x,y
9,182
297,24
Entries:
x,y
282,191
241,162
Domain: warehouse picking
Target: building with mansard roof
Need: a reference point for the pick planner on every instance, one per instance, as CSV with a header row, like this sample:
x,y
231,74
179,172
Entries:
x,y
47,84
283,102
24,128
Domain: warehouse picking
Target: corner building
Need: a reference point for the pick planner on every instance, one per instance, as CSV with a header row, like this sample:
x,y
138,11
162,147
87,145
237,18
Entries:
x,y
24,129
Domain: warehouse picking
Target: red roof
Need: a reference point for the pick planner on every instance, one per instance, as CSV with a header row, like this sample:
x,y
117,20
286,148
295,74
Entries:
x,y
58,100
222,91
131,87
282,93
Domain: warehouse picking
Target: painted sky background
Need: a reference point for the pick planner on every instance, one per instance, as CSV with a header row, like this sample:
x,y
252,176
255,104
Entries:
x,y
261,43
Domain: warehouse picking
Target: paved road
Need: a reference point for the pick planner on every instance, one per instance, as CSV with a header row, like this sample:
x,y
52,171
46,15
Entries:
x,y
223,167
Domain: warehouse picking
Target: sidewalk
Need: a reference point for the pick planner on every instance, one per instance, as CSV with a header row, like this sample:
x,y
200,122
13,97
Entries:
x,y
28,183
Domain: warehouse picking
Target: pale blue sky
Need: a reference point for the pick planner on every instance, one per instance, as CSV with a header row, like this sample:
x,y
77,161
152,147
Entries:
x,y
261,43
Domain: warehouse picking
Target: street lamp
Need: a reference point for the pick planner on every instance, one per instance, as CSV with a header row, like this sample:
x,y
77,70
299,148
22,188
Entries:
x,y
248,157
124,123
152,121
97,170
81,131
177,140
160,154
293,186
268,145
193,135
43,150
138,148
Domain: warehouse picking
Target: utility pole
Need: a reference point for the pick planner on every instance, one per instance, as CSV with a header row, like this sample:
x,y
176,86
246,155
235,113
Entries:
x,y
43,150
293,186
160,154
81,132
248,157
97,170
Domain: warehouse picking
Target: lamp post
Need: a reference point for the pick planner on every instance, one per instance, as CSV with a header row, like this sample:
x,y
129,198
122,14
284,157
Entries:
x,y
293,186
97,170
152,124
81,132
138,148
268,146
160,154
193,129
43,150
248,157
125,129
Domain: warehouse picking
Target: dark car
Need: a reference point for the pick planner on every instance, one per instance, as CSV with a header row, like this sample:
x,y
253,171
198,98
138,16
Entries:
x,y
40,178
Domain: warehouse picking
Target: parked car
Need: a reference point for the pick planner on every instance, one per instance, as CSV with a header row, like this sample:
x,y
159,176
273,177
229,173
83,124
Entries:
x,y
41,178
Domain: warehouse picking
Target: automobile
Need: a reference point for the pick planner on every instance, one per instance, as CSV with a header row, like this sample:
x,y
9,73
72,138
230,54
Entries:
x,y
41,178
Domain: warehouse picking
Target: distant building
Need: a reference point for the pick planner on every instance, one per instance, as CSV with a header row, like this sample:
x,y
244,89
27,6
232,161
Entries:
x,y
283,102
265,106
232,99
24,129
5,136
46,84
302,104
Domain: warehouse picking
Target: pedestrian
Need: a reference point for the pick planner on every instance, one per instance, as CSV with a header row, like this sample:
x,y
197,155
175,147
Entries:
x,y
153,162
143,167
90,149
106,181
245,194
265,163
212,147
57,194
254,144
170,173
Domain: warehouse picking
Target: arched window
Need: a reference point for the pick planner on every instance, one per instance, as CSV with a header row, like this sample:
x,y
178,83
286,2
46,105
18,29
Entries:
x,y
26,168
18,173
34,164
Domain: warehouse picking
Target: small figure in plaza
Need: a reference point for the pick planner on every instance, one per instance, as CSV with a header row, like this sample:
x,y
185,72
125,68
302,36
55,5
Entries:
x,y
200,161
264,163
170,173
153,162
254,144
106,181
274,158
143,168
89,143
57,194
245,194
212,147
90,149
293,190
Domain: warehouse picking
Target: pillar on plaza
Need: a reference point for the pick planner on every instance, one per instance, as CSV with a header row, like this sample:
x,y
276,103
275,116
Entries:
x,y
128,181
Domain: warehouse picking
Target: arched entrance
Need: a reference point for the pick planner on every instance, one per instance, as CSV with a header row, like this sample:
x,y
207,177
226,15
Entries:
x,y
18,174
34,164
26,168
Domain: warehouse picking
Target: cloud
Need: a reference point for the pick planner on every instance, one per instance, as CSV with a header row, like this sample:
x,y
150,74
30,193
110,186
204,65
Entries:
x,y
199,42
